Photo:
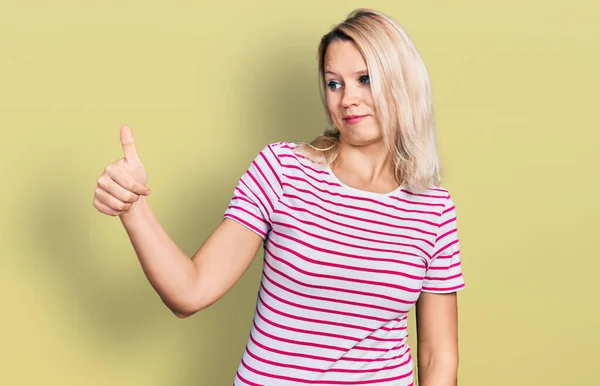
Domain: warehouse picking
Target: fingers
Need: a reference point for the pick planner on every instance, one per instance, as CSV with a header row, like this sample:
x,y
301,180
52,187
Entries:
x,y
102,206
116,171
128,144
108,187
122,182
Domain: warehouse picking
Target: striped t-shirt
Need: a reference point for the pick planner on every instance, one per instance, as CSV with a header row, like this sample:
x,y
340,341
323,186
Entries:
x,y
342,268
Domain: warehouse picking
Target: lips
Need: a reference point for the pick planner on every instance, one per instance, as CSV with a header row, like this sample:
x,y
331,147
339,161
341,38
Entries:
x,y
351,119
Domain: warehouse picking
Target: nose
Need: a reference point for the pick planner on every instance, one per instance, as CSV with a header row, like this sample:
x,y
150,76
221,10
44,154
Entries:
x,y
351,96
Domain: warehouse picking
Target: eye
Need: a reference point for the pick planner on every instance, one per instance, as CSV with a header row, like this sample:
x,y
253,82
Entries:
x,y
332,84
365,79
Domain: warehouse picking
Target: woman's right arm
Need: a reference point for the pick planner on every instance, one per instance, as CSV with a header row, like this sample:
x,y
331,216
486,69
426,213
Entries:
x,y
186,285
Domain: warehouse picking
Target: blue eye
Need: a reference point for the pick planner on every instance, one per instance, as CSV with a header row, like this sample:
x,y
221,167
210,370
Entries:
x,y
365,79
332,84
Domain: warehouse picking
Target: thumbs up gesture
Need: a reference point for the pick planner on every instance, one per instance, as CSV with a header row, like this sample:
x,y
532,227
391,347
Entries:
x,y
132,161
122,182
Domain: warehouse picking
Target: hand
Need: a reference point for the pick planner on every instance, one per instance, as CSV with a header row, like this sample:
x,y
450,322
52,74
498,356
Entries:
x,y
122,182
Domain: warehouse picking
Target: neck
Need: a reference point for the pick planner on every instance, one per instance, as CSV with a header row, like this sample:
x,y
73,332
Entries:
x,y
369,163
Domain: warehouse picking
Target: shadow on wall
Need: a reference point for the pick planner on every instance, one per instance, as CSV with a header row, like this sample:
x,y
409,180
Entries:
x,y
291,109
284,94
117,313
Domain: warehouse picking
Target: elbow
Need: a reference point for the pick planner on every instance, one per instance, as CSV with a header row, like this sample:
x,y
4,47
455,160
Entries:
x,y
187,303
180,316
179,311
185,311
447,363
439,372
438,368
189,307
193,301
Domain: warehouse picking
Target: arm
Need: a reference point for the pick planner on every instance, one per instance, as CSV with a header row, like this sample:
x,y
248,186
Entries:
x,y
187,286
437,339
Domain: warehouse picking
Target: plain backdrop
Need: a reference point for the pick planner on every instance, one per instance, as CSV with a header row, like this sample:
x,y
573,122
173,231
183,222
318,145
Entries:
x,y
204,86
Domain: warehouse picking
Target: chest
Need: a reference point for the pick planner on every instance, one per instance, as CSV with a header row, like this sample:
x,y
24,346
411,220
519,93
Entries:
x,y
368,251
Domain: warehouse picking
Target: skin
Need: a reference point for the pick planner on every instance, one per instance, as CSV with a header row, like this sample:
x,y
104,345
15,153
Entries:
x,y
187,286
363,163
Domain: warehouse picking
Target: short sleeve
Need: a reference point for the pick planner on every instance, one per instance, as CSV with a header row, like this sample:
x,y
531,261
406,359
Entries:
x,y
257,192
444,273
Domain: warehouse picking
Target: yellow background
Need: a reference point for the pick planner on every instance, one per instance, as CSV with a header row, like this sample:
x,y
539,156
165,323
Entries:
x,y
204,86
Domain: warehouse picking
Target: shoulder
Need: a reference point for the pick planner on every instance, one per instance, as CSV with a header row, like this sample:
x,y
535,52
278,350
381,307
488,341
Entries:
x,y
290,153
433,193
280,148
434,196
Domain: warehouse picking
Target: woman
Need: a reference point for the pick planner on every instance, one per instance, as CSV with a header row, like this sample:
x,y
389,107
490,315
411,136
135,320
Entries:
x,y
355,227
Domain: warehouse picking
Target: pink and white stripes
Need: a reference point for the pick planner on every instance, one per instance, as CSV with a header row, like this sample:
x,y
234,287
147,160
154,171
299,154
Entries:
x,y
342,269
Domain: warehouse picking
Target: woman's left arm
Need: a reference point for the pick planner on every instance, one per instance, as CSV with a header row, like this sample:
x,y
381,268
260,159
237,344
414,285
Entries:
x,y
437,339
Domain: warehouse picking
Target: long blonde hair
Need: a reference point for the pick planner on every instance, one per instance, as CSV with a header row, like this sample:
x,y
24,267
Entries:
x,y
401,93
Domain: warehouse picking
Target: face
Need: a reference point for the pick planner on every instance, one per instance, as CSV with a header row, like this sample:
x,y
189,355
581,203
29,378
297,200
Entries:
x,y
349,98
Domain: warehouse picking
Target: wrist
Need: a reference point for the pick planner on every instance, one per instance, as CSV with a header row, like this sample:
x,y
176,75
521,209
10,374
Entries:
x,y
136,208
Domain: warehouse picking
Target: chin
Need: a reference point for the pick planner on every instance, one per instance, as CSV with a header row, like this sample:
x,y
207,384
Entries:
x,y
358,137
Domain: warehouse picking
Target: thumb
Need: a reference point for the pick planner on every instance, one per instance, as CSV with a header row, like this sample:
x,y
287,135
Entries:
x,y
128,144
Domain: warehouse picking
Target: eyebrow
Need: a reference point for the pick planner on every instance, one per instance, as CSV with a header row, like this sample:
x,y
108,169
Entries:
x,y
354,73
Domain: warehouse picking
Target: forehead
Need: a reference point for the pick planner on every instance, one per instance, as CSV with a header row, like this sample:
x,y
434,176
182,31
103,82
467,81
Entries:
x,y
343,57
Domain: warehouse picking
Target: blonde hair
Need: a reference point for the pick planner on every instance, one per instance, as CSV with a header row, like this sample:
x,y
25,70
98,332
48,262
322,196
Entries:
x,y
401,94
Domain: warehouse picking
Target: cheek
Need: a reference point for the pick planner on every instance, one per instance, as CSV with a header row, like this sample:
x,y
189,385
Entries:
x,y
368,97
332,104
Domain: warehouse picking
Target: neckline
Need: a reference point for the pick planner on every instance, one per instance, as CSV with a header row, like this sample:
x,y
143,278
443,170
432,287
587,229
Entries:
x,y
360,191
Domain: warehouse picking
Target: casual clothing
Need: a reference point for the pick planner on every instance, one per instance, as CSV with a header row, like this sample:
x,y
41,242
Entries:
x,y
342,268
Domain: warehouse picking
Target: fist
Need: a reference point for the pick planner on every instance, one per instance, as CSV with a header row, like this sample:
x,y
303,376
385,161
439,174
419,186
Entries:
x,y
123,182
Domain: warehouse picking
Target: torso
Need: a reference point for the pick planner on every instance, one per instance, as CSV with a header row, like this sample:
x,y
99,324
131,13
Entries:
x,y
342,268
